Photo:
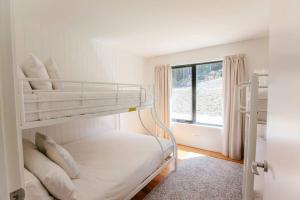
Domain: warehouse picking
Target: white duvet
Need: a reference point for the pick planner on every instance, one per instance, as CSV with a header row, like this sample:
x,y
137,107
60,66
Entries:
x,y
115,163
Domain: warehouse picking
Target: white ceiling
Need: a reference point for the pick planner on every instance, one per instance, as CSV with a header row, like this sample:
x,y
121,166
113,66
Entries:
x,y
156,27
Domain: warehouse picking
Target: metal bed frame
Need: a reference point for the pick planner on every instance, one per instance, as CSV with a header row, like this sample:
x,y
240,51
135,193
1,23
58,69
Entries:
x,y
118,99
251,112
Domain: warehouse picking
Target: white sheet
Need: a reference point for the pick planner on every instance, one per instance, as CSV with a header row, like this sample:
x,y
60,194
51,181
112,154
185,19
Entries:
x,y
114,164
107,102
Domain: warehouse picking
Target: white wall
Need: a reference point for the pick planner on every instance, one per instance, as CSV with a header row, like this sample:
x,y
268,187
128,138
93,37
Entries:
x,y
256,51
80,57
283,131
209,138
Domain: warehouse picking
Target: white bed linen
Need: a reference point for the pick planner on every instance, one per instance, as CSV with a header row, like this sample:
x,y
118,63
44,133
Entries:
x,y
115,163
107,102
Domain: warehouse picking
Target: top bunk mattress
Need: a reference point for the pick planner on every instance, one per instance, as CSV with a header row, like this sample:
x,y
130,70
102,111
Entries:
x,y
113,164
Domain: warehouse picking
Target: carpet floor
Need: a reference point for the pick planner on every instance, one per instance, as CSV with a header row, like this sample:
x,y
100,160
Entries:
x,y
201,178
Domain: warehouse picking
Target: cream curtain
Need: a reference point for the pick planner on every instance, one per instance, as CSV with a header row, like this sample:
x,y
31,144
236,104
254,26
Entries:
x,y
162,96
234,72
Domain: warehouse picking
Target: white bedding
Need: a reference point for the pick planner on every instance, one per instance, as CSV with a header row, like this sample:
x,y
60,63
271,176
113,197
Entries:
x,y
115,163
106,101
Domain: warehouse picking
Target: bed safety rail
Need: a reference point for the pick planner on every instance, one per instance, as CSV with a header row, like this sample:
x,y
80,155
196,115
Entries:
x,y
252,91
78,99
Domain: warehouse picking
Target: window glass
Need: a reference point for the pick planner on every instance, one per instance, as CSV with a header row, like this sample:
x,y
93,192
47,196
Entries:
x,y
209,93
182,94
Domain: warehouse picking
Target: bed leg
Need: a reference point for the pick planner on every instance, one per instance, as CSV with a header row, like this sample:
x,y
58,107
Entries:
x,y
175,165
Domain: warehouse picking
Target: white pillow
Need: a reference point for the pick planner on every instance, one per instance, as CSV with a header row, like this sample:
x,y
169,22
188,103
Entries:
x,y
54,73
57,154
26,85
34,68
51,175
33,188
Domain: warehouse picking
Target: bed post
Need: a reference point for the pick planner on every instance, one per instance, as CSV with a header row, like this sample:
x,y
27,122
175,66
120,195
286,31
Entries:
x,y
150,133
166,129
158,122
161,125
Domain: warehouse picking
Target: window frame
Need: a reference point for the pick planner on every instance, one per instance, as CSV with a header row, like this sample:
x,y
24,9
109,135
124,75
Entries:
x,y
194,92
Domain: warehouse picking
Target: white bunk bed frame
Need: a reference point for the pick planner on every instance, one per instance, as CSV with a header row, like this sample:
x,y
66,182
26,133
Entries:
x,y
83,88
251,112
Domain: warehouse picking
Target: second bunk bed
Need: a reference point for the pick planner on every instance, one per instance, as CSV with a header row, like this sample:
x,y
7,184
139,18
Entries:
x,y
254,109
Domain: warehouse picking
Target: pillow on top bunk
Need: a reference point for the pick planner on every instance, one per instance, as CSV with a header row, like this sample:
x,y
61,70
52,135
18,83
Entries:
x,y
34,68
57,154
21,75
33,188
54,73
51,175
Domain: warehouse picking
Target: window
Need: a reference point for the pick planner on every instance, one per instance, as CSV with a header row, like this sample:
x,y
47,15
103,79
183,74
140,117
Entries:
x,y
197,93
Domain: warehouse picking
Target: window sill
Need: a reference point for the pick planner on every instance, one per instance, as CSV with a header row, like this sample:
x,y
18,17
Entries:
x,y
196,125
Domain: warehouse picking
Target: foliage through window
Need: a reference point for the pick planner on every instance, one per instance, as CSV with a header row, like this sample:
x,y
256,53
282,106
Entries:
x,y
197,93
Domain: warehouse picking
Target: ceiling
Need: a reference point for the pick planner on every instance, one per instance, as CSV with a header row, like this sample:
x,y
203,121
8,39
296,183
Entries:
x,y
155,27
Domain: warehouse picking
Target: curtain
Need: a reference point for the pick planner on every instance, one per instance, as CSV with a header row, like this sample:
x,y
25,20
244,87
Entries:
x,y
162,86
234,72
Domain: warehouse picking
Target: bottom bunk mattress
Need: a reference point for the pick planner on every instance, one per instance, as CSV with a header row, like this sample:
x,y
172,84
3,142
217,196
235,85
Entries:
x,y
113,164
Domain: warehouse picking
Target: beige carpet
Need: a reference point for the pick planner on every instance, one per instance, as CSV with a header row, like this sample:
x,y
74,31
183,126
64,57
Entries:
x,y
201,178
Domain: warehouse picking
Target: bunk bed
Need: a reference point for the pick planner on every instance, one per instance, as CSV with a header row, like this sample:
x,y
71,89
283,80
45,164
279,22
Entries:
x,y
113,165
255,111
